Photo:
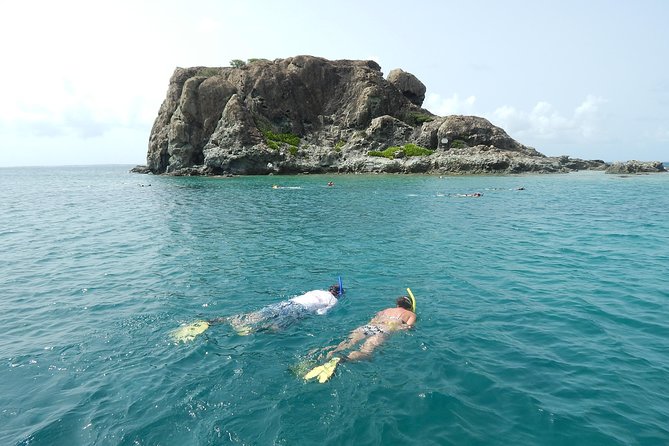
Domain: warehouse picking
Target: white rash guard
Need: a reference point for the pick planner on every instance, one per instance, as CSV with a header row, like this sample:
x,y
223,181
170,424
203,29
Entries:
x,y
317,301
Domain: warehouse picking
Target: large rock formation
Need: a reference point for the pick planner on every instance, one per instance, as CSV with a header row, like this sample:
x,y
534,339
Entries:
x,y
308,114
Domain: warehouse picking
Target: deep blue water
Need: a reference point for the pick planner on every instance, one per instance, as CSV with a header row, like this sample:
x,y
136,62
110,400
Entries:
x,y
543,313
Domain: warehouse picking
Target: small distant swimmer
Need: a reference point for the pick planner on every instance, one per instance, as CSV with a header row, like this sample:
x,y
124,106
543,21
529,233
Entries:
x,y
474,195
330,183
276,186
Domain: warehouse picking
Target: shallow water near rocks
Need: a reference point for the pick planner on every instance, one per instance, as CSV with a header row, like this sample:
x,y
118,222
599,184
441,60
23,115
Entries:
x,y
542,313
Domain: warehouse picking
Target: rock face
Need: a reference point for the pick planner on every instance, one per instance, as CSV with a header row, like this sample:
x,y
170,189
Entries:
x,y
634,166
308,114
409,85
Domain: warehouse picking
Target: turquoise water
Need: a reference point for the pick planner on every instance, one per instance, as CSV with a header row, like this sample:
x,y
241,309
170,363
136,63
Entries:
x,y
543,313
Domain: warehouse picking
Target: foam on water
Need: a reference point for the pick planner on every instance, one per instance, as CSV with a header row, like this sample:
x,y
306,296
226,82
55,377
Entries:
x,y
542,312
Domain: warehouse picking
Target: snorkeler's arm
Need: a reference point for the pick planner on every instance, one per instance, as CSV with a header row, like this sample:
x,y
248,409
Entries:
x,y
411,320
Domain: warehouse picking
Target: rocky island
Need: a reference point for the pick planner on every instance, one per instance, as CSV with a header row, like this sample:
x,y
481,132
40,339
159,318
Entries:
x,y
306,114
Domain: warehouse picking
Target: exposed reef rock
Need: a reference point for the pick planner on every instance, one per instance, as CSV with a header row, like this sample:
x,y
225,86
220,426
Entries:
x,y
306,114
634,166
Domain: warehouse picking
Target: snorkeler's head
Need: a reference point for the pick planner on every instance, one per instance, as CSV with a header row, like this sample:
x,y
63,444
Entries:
x,y
404,302
334,289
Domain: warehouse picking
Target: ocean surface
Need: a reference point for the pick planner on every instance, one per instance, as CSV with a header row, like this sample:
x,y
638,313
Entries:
x,y
543,313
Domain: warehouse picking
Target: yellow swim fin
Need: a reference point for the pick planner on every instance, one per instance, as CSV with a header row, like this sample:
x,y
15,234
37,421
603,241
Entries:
x,y
314,372
323,372
243,330
189,332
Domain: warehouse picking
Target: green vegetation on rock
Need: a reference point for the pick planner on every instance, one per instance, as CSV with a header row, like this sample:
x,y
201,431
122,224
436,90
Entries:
x,y
208,71
273,145
416,150
237,63
274,140
419,118
408,149
339,145
287,138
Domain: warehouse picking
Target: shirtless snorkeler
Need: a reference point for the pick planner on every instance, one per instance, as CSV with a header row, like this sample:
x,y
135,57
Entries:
x,y
378,329
372,334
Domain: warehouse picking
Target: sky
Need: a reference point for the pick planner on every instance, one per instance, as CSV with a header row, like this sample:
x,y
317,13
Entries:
x,y
83,80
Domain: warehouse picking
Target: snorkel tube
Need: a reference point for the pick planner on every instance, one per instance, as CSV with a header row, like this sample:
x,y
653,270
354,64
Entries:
x,y
341,287
413,300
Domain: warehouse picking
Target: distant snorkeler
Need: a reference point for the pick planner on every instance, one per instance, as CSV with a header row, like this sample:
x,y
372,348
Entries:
x,y
371,335
276,186
272,318
473,195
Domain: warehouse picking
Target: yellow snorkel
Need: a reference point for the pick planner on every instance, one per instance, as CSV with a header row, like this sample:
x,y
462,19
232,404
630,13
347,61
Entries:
x,y
413,300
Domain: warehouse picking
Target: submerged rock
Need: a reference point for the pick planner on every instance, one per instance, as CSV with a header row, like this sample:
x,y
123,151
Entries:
x,y
306,114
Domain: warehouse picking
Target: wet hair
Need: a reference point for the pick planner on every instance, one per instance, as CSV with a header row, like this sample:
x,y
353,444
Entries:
x,y
404,302
334,289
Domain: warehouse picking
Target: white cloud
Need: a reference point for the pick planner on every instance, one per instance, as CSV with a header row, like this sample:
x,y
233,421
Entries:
x,y
545,122
588,116
589,107
449,106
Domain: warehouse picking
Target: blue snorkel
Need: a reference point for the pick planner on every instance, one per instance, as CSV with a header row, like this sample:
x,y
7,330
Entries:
x,y
341,287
